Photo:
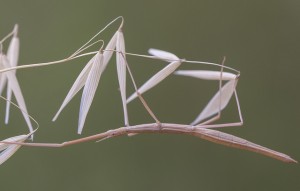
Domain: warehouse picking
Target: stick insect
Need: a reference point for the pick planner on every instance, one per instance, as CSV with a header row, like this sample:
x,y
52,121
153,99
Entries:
x,y
202,125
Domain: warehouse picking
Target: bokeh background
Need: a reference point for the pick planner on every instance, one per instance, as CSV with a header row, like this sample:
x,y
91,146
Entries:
x,y
259,38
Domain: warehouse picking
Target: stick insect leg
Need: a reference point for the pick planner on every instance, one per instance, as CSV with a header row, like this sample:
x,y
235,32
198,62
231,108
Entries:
x,y
240,123
148,109
140,96
206,123
239,107
218,116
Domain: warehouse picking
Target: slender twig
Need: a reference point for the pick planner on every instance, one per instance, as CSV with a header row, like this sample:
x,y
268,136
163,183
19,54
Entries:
x,y
181,60
84,46
77,55
7,36
22,110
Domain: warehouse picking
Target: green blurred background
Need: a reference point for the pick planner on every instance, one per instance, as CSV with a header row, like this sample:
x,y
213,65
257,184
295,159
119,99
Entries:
x,y
259,38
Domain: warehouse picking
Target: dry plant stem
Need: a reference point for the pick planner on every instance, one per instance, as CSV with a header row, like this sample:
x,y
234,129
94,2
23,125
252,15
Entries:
x,y
47,63
103,29
7,36
201,130
167,128
72,57
182,60
77,55
15,105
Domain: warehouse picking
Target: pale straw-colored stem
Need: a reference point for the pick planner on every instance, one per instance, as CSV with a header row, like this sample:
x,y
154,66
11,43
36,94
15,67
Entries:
x,y
57,61
95,52
83,46
7,36
47,63
181,60
15,105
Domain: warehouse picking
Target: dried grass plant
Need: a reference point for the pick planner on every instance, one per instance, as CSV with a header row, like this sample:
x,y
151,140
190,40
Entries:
x,y
89,78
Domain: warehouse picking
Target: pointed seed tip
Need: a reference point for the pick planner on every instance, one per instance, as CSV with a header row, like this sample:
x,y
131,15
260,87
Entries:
x,y
54,118
15,31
